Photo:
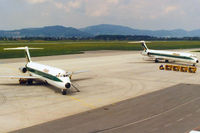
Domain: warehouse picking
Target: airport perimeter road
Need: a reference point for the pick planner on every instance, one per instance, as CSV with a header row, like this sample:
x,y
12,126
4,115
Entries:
x,y
172,110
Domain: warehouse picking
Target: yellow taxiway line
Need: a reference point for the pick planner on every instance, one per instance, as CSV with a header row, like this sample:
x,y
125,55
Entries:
x,y
83,102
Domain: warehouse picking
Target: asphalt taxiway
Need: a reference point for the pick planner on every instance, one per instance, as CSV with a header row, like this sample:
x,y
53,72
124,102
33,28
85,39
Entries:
x,y
114,76
172,110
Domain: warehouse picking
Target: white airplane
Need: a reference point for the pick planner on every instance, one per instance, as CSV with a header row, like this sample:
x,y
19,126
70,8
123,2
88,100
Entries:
x,y
51,75
168,55
193,131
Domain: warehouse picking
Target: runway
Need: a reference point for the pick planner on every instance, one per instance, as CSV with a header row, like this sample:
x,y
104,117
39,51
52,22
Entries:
x,y
172,110
113,76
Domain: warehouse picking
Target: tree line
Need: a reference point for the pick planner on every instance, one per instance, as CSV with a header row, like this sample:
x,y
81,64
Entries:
x,y
107,38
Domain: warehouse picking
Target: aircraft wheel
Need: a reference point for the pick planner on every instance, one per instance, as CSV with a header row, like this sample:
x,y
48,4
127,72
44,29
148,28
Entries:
x,y
45,82
22,81
64,92
156,60
30,81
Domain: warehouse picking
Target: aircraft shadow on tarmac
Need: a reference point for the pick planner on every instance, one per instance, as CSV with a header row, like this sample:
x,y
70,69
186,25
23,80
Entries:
x,y
70,91
141,62
17,84
56,90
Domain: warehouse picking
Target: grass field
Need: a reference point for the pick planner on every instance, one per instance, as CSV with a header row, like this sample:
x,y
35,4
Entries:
x,y
76,47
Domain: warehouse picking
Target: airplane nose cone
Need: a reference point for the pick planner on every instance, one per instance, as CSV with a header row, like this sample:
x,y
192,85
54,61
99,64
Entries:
x,y
67,85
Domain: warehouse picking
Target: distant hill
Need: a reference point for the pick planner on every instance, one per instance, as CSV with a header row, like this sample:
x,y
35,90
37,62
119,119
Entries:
x,y
48,31
103,29
106,29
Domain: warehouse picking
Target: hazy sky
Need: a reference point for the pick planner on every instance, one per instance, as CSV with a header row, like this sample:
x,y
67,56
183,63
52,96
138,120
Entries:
x,y
140,14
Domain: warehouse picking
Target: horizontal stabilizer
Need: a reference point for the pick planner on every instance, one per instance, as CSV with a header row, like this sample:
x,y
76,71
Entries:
x,y
26,48
77,72
20,48
140,42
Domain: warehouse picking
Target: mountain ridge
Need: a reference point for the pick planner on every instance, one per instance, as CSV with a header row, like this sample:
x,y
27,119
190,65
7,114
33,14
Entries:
x,y
46,31
94,30
106,29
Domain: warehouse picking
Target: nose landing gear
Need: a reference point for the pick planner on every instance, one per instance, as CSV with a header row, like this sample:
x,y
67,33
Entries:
x,y
64,92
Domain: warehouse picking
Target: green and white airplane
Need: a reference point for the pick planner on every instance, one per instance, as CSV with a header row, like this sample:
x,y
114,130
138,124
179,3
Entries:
x,y
168,55
51,75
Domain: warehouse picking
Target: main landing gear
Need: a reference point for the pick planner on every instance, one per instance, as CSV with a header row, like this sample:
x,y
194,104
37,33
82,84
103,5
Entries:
x,y
156,61
25,81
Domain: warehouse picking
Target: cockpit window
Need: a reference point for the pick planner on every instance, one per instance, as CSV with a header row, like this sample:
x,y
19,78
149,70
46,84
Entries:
x,y
193,56
62,75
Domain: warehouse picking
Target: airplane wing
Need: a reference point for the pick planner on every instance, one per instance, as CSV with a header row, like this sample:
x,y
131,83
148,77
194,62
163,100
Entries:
x,y
18,77
77,72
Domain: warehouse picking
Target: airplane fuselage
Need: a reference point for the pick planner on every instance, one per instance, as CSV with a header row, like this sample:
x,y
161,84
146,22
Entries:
x,y
54,76
170,55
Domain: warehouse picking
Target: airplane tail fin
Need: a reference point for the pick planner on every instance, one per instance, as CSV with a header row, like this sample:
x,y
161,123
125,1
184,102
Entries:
x,y
144,45
27,53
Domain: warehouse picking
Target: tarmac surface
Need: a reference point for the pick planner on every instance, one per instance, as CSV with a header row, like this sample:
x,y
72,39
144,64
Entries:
x,y
113,76
172,110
